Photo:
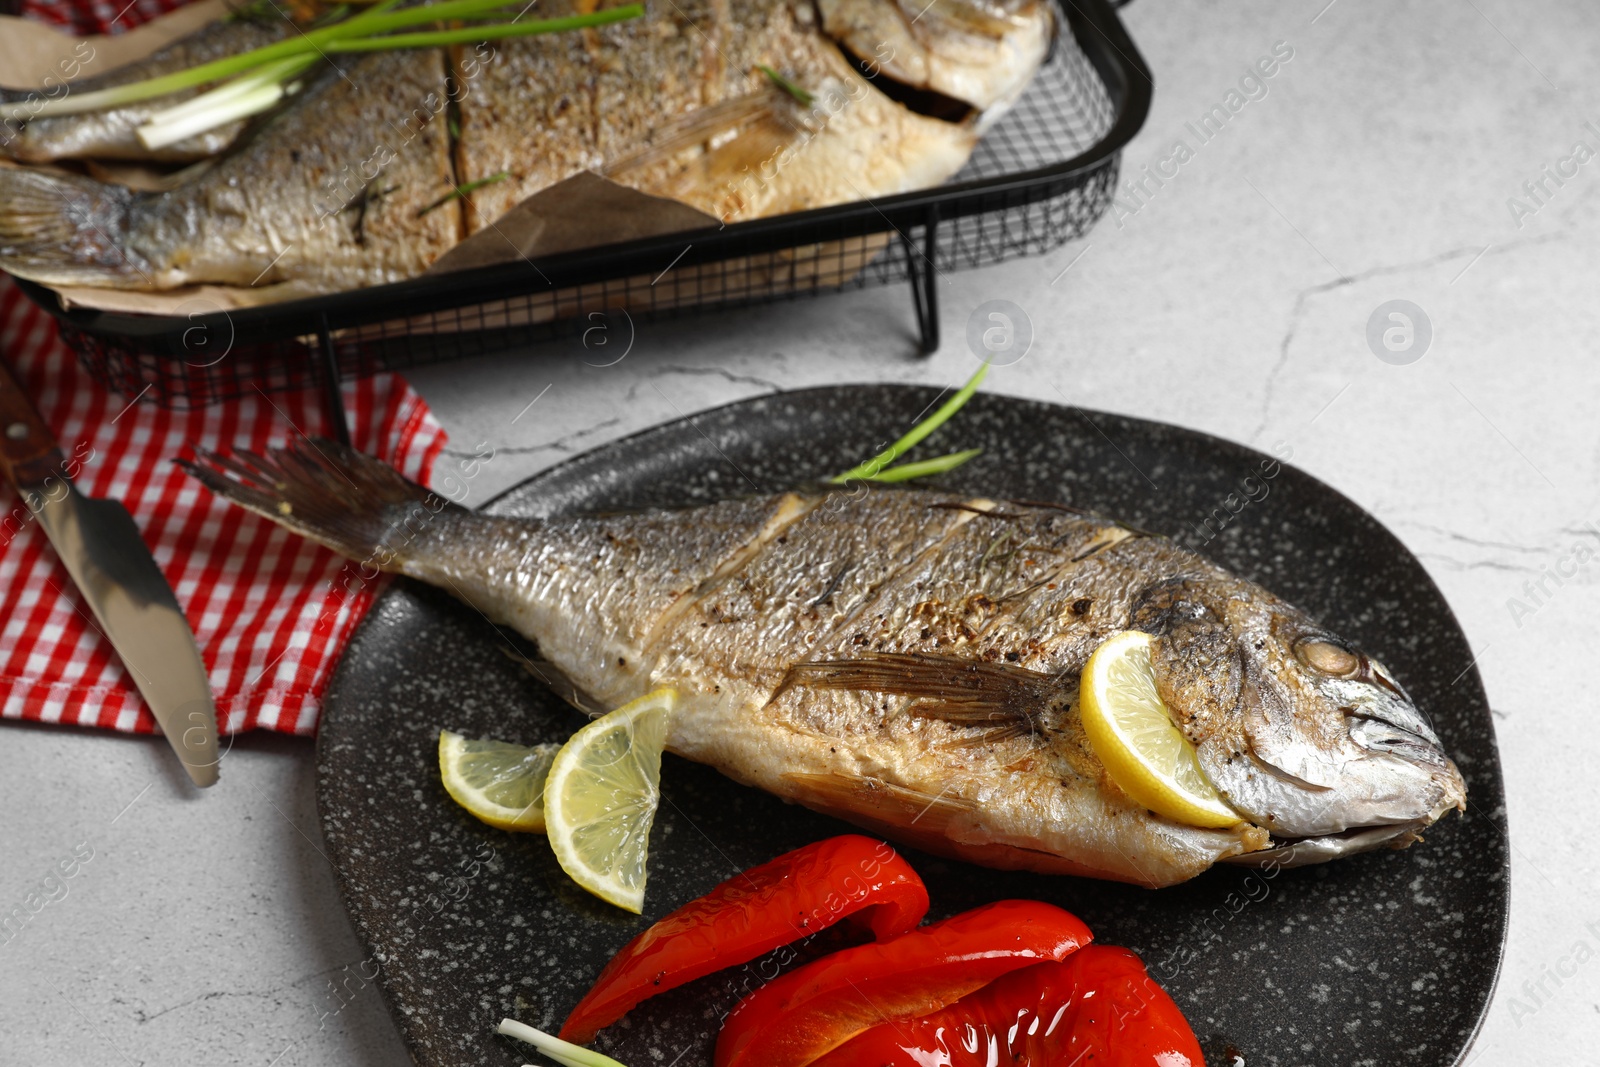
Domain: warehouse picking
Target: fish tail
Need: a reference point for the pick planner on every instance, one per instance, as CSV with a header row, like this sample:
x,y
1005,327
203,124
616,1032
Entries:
x,y
329,493
65,229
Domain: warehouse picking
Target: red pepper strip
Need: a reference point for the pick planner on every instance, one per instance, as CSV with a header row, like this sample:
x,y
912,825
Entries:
x,y
1097,1008
807,1012
751,914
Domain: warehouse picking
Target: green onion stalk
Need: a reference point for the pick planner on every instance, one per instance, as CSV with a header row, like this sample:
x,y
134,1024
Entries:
x,y
363,32
563,1052
804,96
877,468
461,191
240,98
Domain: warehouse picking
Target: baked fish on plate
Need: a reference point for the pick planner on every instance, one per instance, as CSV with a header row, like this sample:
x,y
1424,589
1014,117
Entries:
x,y
739,109
909,660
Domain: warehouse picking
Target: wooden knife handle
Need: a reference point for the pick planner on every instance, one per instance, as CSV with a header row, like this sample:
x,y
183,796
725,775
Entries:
x,y
28,449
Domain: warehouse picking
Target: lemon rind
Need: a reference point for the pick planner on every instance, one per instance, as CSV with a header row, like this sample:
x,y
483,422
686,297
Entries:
x,y
1125,762
603,883
514,820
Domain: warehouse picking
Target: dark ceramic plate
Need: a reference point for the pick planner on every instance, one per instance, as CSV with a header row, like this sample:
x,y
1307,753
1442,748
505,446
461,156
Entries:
x,y
1386,958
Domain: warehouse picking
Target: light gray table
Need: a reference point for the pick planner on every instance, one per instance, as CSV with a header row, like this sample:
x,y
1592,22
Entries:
x,y
1234,298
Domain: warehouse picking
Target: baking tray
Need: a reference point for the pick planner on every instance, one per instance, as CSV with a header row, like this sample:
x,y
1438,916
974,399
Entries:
x,y
1040,177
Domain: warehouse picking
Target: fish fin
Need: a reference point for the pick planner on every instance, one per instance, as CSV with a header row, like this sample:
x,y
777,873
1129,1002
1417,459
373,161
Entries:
x,y
726,179
881,804
1052,505
697,128
352,503
754,146
993,734
525,654
965,692
1109,537
65,229
977,19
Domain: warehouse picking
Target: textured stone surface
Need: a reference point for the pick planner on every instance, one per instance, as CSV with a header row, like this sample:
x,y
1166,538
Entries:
x,y
1384,153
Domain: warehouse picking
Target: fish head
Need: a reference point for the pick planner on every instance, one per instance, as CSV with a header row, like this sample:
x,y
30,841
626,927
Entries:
x,y
1304,733
977,53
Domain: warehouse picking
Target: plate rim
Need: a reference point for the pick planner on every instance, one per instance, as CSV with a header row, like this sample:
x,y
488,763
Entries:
x,y
1502,911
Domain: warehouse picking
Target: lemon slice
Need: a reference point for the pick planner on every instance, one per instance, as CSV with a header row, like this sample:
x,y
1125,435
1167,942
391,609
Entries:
x,y
1132,732
501,784
601,797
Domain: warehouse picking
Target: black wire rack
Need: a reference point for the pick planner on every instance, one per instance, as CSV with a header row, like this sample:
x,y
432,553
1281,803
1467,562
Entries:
x,y
1041,176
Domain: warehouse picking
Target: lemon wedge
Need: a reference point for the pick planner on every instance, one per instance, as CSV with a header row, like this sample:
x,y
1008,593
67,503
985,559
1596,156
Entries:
x,y
500,783
600,799
1132,732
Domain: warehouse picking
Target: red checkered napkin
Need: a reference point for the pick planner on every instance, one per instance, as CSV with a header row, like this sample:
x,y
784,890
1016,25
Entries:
x,y
271,611
83,17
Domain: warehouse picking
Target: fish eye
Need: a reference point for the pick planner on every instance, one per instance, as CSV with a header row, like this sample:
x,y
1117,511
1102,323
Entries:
x,y
1327,657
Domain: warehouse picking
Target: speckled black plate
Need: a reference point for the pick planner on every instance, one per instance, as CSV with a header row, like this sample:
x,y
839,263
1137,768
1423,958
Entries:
x,y
1386,958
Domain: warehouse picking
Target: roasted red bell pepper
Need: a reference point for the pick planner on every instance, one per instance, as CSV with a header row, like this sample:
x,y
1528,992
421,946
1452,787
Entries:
x,y
750,914
1097,1007
814,1009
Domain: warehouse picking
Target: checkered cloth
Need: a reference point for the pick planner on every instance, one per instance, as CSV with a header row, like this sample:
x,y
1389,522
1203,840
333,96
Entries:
x,y
82,17
270,610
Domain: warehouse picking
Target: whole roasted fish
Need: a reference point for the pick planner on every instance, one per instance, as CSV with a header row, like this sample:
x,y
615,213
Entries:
x,y
375,169
909,660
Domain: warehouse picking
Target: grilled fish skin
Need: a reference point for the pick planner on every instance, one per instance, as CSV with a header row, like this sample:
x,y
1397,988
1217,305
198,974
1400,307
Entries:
x,y
294,203
109,134
909,660
767,154
673,104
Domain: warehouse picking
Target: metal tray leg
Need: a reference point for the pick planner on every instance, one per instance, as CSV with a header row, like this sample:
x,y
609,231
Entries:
x,y
924,279
332,395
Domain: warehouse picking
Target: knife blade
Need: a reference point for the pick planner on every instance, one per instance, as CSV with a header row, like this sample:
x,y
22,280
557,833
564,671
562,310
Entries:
x,y
136,610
